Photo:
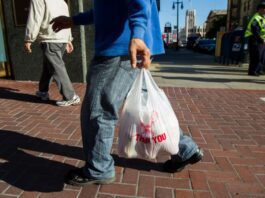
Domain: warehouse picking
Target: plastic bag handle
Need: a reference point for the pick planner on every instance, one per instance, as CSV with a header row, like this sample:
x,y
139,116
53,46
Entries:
x,y
150,81
137,84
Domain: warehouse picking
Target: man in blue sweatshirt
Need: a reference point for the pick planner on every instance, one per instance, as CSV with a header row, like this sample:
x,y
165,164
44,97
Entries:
x,y
127,33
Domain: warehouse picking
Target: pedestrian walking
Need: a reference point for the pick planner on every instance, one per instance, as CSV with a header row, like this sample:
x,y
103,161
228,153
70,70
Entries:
x,y
53,46
127,34
255,33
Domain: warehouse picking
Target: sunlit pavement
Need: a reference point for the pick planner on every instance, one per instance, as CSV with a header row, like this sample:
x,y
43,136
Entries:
x,y
40,142
188,69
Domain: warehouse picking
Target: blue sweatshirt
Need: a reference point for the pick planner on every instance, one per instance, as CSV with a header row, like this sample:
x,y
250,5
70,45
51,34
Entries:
x,y
118,21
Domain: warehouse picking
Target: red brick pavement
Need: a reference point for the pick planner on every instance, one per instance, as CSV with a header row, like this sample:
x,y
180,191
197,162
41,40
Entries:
x,y
39,142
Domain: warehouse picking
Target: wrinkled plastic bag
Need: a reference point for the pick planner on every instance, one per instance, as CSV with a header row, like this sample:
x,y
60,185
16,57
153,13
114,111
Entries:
x,y
148,123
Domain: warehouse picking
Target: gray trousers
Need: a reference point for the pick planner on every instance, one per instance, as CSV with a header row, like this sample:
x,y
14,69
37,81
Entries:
x,y
54,67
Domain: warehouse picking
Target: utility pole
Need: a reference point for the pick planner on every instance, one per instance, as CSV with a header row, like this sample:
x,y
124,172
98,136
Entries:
x,y
83,42
173,7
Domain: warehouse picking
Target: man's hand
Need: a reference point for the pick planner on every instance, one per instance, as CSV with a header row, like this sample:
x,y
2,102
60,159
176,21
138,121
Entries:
x,y
61,22
138,50
27,47
69,48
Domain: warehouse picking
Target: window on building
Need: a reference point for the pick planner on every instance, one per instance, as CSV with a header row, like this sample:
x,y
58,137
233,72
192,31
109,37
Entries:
x,y
249,4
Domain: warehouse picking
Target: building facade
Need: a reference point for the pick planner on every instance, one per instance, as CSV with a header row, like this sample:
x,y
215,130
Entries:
x,y
182,35
22,66
213,16
18,65
239,13
200,30
190,21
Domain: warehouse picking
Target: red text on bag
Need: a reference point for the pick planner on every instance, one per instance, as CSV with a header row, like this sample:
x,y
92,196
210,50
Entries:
x,y
147,140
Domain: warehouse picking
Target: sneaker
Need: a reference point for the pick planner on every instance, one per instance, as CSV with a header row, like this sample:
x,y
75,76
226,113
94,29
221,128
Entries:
x,y
77,177
42,95
65,103
177,165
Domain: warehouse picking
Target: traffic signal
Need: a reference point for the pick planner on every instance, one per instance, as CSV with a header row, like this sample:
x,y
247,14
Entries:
x,y
168,29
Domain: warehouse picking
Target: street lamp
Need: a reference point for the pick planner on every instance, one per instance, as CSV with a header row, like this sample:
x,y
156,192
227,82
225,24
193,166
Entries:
x,y
173,7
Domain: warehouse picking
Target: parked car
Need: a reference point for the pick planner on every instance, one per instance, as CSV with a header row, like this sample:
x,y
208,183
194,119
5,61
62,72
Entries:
x,y
191,40
205,46
182,43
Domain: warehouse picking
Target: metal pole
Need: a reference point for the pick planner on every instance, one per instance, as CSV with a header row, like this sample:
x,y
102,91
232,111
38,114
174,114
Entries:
x,y
83,43
178,24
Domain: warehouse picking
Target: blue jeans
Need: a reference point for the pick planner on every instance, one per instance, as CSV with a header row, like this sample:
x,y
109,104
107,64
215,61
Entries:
x,y
187,146
109,81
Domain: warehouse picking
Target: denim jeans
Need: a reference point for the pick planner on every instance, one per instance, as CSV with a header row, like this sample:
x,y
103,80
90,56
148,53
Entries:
x,y
109,81
187,146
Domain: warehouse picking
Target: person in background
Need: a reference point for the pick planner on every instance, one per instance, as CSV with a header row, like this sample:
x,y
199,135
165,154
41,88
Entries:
x,y
53,46
255,33
127,34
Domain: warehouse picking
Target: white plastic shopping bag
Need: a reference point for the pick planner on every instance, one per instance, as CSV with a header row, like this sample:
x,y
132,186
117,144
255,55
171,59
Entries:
x,y
148,123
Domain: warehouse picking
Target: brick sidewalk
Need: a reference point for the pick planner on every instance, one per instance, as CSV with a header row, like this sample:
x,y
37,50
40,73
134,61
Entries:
x,y
39,142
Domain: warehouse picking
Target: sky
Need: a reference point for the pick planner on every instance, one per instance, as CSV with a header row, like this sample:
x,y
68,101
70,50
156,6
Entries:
x,y
202,7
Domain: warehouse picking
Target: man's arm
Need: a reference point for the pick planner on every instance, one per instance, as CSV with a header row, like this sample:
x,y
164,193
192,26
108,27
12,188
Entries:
x,y
139,11
36,13
64,22
85,18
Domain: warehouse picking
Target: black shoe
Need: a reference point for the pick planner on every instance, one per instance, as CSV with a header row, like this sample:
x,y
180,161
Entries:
x,y
176,165
253,74
76,177
261,73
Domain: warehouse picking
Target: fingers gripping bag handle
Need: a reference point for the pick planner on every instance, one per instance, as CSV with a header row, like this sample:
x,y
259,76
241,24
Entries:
x,y
152,85
144,130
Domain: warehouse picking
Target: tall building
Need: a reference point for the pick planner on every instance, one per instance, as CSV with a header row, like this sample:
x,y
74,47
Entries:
x,y
190,21
200,30
182,35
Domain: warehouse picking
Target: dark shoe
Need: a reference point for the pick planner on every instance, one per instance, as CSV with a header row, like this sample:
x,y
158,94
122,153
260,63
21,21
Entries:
x,y
42,95
176,165
253,74
261,73
76,177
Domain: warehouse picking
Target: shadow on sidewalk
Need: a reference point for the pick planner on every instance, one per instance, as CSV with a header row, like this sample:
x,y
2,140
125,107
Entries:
x,y
184,57
138,164
215,70
14,94
27,162
214,80
30,164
